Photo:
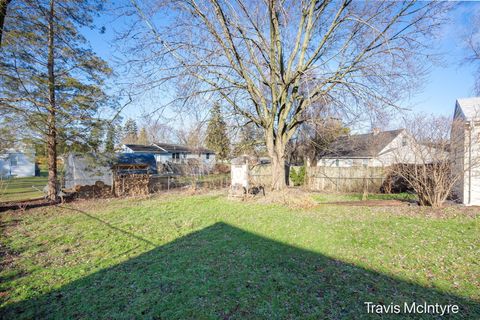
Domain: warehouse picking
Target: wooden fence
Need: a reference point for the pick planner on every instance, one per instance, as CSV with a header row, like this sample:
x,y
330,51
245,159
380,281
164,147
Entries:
x,y
332,179
345,179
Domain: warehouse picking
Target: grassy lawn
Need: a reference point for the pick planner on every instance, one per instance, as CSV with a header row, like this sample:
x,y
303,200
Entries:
x,y
21,188
208,257
336,197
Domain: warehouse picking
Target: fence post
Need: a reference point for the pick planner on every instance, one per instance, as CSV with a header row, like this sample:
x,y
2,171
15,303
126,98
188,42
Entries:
x,y
168,183
338,176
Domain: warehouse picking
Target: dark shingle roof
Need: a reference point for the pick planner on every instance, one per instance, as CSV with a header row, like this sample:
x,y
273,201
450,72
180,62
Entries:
x,y
360,145
146,159
143,148
180,148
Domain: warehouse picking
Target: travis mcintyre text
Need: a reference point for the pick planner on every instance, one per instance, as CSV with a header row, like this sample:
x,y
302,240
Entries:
x,y
412,308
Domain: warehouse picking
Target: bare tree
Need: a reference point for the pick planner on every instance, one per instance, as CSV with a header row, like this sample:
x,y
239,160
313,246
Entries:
x,y
430,162
473,47
157,130
272,60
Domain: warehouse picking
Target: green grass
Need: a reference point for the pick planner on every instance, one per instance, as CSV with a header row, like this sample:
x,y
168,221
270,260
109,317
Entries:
x,y
21,188
337,197
208,257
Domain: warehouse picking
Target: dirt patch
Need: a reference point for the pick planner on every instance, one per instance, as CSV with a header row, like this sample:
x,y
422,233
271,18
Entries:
x,y
291,197
447,211
370,203
25,204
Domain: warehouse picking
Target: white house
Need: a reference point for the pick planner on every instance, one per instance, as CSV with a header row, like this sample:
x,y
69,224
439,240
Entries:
x,y
17,163
165,152
375,149
465,142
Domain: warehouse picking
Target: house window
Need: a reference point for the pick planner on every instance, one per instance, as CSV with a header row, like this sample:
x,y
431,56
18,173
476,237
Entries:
x,y
13,161
404,141
207,156
365,162
175,155
337,162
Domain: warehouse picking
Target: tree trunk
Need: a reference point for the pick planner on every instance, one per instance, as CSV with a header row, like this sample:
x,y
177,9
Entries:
x,y
3,13
52,158
276,150
52,127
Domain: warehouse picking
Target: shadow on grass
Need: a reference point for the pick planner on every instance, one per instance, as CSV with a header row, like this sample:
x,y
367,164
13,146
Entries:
x,y
223,272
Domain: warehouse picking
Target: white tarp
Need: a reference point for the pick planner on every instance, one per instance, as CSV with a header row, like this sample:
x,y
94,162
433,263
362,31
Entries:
x,y
86,170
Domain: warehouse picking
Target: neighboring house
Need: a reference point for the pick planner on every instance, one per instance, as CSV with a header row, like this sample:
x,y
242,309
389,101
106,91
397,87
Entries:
x,y
375,149
465,150
165,152
17,163
159,154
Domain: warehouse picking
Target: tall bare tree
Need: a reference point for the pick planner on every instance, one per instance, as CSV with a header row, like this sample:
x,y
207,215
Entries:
x,y
272,60
473,47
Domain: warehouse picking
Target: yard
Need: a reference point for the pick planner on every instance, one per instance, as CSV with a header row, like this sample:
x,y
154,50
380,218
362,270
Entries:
x,y
22,188
207,256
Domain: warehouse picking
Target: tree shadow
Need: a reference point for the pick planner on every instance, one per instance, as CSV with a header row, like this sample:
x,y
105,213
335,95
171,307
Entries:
x,y
225,272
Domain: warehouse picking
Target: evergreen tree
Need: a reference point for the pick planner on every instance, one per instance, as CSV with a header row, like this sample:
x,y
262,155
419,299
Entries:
x,y
217,138
110,141
49,78
96,136
130,132
142,136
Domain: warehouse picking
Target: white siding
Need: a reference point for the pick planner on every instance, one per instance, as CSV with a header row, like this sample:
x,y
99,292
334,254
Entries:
x,y
399,150
471,180
458,156
466,150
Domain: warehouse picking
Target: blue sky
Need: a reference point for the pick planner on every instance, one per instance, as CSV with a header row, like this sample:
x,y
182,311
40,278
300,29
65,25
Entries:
x,y
447,81
453,78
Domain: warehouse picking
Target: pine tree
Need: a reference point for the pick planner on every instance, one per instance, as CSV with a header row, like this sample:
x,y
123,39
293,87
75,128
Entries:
x,y
96,136
217,138
49,78
110,141
142,137
130,132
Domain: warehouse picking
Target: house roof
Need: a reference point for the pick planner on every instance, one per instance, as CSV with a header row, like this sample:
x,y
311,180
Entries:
x,y
366,145
181,148
468,107
143,148
146,159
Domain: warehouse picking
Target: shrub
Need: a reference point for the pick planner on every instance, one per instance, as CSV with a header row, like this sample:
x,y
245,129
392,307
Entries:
x,y
297,178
